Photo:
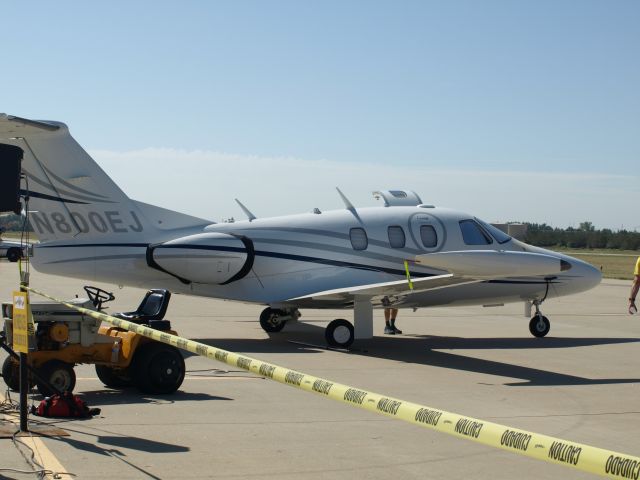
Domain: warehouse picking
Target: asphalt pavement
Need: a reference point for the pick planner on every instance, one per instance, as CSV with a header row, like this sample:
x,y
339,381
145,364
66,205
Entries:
x,y
581,383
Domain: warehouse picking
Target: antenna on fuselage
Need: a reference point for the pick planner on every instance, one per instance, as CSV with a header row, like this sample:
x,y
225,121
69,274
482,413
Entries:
x,y
246,211
346,201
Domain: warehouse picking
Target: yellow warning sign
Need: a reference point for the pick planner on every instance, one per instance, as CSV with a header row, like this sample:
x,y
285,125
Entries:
x,y
583,457
22,323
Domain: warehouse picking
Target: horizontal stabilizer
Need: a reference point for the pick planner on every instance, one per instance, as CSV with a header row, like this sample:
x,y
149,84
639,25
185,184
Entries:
x,y
486,264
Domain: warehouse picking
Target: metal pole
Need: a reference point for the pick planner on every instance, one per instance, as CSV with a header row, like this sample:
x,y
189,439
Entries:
x,y
24,389
24,366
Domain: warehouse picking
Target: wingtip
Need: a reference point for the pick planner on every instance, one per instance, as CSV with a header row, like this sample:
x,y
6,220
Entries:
x,y
347,203
246,211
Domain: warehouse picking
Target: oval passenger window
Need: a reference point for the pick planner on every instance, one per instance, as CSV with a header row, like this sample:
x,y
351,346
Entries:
x,y
396,237
359,240
428,236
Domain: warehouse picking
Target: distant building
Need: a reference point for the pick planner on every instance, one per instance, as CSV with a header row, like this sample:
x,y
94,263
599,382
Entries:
x,y
516,230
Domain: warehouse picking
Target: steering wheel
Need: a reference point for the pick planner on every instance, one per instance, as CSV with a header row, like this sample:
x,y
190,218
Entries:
x,y
98,296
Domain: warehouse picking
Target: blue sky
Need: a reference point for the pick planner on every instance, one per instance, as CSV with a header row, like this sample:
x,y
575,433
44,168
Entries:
x,y
511,95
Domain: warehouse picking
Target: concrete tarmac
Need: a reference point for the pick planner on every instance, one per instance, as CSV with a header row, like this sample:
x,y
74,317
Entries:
x,y
580,383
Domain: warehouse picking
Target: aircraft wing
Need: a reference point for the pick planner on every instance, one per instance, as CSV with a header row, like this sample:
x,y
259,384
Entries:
x,y
396,288
464,267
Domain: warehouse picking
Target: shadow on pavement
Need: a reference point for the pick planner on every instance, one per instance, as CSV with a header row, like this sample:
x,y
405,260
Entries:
x,y
98,398
103,443
424,350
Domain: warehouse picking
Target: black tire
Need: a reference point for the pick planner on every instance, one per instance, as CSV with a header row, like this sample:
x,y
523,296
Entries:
x,y
269,320
539,326
14,254
11,374
114,377
157,368
57,373
339,333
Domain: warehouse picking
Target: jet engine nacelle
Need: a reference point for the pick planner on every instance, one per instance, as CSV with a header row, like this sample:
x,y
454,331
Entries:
x,y
213,258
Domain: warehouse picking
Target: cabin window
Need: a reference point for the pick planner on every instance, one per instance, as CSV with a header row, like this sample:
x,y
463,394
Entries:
x,y
396,237
473,234
359,240
428,236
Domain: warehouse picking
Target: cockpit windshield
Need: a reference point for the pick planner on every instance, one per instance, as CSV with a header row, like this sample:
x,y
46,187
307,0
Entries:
x,y
495,232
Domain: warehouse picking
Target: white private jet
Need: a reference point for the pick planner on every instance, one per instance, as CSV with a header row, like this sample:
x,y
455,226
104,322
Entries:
x,y
405,254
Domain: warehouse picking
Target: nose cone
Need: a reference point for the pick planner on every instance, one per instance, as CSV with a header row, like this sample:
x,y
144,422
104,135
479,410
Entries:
x,y
581,276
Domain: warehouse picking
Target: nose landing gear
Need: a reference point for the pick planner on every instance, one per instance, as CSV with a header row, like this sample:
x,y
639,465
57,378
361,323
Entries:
x,y
539,325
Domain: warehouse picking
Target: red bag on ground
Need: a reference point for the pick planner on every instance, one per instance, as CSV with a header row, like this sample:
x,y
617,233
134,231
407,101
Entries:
x,y
63,406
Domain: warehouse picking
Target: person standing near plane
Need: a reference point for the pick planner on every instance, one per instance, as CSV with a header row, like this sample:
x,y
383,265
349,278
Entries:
x,y
635,286
390,315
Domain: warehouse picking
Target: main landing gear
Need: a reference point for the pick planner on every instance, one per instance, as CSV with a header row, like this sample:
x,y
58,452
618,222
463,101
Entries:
x,y
339,333
274,319
539,325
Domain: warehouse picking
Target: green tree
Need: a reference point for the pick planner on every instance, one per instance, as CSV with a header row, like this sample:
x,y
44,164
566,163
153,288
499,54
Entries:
x,y
587,227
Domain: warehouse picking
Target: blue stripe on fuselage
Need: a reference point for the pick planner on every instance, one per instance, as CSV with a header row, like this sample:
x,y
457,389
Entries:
x,y
288,256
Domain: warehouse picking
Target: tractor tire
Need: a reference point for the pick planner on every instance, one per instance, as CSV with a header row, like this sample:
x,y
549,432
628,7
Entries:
x,y
11,374
114,377
59,375
157,368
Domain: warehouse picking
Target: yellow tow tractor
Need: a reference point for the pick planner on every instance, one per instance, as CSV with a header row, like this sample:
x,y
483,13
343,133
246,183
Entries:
x,y
64,338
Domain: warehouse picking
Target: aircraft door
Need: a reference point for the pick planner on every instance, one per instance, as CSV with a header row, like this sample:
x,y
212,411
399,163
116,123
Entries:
x,y
427,232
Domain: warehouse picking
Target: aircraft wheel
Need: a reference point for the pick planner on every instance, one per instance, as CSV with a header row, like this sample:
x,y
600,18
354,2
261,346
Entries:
x,y
57,373
157,368
339,333
11,373
270,320
114,377
14,254
539,326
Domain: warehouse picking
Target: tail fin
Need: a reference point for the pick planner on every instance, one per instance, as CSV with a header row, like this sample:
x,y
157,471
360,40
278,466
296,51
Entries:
x,y
71,197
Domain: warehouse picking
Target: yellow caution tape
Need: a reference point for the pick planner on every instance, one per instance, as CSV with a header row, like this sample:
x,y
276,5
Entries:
x,y
541,447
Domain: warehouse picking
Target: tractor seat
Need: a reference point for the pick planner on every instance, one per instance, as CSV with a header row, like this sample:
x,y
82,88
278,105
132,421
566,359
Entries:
x,y
153,307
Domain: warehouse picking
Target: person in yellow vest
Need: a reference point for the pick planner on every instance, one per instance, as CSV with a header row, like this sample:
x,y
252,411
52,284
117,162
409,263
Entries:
x,y
634,289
